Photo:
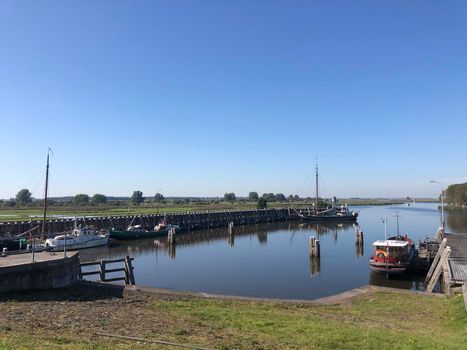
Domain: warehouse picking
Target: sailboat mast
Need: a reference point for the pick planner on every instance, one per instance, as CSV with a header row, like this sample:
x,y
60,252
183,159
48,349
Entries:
x,y
45,197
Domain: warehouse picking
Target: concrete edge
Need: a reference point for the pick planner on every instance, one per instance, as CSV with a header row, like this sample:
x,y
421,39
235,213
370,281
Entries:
x,y
168,293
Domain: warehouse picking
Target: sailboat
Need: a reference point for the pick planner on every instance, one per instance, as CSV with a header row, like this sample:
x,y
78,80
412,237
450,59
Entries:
x,y
79,238
331,213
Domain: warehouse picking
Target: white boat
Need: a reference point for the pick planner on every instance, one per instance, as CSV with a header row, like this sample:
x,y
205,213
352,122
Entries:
x,y
80,238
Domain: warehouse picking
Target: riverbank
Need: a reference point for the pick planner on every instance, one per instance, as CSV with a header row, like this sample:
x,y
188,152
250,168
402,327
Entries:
x,y
57,211
375,319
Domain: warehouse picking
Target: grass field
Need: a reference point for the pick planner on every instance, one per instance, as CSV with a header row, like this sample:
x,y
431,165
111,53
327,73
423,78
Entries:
x,y
378,320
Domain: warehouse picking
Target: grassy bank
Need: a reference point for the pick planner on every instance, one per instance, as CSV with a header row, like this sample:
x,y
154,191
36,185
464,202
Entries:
x,y
25,213
378,320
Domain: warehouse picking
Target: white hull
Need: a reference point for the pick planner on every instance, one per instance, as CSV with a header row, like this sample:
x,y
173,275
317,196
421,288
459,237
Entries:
x,y
77,243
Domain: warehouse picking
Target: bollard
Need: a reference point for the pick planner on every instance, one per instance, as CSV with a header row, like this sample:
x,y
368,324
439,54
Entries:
x,y
5,251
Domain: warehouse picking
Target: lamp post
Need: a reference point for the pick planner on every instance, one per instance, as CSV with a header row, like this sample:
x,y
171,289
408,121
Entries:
x,y
442,201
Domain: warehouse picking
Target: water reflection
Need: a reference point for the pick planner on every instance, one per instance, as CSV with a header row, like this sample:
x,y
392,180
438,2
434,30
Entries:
x,y
359,250
315,265
406,281
273,259
457,220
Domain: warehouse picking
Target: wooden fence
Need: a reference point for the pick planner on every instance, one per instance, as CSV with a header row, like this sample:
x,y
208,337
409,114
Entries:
x,y
103,270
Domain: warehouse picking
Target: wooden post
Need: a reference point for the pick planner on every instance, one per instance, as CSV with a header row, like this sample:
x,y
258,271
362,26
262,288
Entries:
x,y
359,237
314,246
171,236
129,276
102,272
231,228
436,259
438,270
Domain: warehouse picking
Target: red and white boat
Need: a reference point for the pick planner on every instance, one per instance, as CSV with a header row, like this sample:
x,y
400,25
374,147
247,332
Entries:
x,y
392,256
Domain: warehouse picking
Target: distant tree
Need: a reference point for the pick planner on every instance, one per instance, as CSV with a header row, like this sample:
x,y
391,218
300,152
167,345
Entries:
x,y
158,198
81,199
230,197
10,203
23,196
456,195
296,197
253,196
137,198
262,203
290,198
99,199
270,197
279,197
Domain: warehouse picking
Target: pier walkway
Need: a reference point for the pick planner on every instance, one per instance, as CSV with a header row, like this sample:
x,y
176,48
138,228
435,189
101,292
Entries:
x,y
458,257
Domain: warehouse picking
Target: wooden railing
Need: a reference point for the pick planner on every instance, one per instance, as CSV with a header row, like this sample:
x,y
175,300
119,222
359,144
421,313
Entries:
x,y
103,270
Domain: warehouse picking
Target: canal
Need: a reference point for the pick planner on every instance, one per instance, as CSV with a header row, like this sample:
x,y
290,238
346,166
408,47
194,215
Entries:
x,y
272,260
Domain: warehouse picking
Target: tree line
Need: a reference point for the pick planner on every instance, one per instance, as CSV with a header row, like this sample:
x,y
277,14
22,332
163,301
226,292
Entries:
x,y
456,195
24,198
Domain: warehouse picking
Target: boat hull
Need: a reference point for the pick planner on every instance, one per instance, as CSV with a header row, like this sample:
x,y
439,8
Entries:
x,y
116,234
388,269
323,218
91,243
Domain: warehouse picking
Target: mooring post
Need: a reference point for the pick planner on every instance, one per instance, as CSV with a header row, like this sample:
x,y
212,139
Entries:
x,y
231,228
359,237
314,246
171,236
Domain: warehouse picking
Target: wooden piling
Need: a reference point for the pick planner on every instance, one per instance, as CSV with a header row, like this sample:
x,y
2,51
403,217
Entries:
x,y
314,246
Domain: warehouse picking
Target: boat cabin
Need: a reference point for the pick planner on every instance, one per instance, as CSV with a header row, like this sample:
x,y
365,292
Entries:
x,y
391,250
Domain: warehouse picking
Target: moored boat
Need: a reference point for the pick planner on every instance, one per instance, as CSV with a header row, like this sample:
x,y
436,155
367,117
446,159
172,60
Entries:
x,y
136,232
392,256
330,213
80,238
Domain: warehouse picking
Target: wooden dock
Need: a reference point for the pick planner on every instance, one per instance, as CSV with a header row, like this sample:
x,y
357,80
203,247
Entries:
x,y
450,265
190,220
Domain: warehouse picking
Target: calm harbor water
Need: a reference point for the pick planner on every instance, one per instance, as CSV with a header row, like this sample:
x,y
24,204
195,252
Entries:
x,y
272,260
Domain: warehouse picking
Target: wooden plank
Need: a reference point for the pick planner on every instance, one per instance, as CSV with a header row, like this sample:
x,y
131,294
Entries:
x,y
90,263
116,260
464,292
438,270
115,270
90,273
436,259
447,279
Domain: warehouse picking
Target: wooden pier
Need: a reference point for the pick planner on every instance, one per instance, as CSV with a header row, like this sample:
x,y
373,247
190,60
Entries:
x,y
450,265
189,221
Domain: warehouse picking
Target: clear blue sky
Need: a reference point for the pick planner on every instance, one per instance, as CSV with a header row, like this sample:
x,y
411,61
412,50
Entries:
x,y
201,98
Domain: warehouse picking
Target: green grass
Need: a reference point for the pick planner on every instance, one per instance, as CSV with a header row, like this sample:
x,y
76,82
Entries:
x,y
378,320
